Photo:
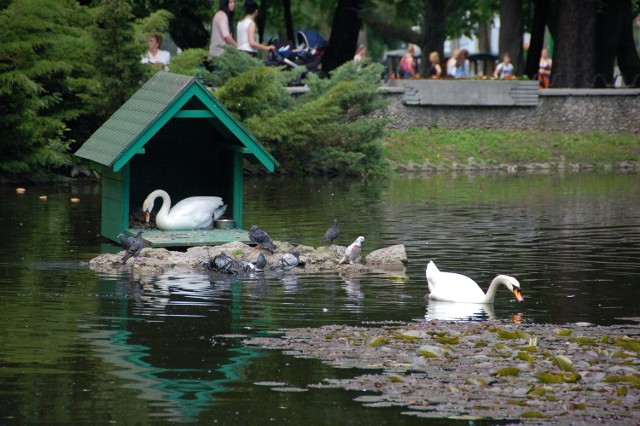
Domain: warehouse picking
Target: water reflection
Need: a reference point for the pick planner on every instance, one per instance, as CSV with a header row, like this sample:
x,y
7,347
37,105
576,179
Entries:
x,y
448,311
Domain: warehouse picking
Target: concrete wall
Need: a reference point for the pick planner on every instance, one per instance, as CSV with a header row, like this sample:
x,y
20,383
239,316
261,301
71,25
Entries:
x,y
566,110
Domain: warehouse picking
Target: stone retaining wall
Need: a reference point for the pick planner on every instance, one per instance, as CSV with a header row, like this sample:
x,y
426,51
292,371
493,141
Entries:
x,y
566,110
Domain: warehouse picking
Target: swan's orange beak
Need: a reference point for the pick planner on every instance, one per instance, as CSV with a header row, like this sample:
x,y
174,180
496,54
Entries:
x,y
516,292
147,216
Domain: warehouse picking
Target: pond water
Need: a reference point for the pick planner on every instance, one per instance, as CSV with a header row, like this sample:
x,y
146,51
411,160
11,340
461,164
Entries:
x,y
111,347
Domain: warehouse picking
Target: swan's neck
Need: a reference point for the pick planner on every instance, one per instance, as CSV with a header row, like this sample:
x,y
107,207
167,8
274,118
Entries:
x,y
166,201
491,293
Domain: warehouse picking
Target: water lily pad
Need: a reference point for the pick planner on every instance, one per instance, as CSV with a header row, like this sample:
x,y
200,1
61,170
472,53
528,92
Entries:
x,y
448,340
430,351
378,341
398,278
563,331
412,335
533,415
524,356
584,340
290,389
507,371
555,378
562,362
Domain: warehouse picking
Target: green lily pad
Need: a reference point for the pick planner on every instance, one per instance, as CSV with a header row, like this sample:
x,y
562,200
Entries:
x,y
378,341
507,371
555,378
524,356
563,331
584,340
562,362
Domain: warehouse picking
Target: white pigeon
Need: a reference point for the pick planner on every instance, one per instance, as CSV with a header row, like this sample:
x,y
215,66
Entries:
x,y
352,253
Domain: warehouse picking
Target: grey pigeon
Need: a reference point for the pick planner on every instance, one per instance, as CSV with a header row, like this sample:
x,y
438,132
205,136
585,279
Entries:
x,y
135,248
125,242
332,233
261,238
352,253
288,261
222,262
260,262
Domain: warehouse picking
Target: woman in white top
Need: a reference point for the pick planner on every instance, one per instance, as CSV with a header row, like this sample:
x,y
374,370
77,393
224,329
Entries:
x,y
155,56
247,31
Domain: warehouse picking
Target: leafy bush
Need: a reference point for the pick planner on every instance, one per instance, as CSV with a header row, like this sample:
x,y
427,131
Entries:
x,y
325,131
257,92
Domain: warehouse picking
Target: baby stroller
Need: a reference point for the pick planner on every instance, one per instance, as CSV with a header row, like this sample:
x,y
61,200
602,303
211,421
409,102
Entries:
x,y
310,46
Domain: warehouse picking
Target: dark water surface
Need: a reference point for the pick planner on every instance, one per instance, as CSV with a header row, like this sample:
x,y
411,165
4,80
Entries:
x,y
79,346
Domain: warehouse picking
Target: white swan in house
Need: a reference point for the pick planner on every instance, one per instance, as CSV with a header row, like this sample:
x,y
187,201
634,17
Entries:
x,y
190,213
452,287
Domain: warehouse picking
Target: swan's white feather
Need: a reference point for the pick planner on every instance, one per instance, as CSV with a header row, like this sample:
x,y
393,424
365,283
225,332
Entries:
x,y
453,287
189,213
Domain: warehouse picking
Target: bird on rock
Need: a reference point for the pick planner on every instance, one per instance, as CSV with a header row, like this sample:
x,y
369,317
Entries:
x,y
260,263
261,238
125,242
352,253
288,261
332,233
135,248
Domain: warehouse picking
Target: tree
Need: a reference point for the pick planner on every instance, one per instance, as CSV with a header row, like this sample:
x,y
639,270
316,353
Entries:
x,y
344,35
46,81
117,54
511,32
614,41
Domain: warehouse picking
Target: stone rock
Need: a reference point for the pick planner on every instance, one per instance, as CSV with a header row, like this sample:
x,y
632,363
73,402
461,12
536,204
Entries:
x,y
157,260
391,257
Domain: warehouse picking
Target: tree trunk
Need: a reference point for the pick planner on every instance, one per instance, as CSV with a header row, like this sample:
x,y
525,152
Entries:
x,y
574,56
511,31
344,35
615,39
288,20
261,20
538,25
434,35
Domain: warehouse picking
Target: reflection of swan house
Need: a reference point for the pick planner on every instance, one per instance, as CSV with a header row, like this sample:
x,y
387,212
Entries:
x,y
173,134
509,105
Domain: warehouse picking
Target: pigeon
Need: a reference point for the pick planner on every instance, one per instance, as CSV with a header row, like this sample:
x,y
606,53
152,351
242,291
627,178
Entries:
x,y
223,263
261,238
260,262
332,233
288,261
353,251
134,250
125,242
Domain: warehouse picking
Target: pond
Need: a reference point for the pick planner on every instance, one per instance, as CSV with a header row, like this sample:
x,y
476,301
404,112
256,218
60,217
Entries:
x,y
85,346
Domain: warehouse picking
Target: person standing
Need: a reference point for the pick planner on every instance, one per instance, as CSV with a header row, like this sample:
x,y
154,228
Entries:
x,y
435,71
155,56
361,54
408,65
247,31
221,28
504,68
544,70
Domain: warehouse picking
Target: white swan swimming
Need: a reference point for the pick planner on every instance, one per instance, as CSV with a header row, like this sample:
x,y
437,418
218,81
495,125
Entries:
x,y
452,287
190,213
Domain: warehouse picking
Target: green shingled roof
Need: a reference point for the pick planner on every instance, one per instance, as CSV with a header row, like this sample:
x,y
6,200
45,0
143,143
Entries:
x,y
162,98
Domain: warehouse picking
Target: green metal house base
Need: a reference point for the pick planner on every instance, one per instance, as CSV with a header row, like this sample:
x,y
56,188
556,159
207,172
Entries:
x,y
172,134
200,237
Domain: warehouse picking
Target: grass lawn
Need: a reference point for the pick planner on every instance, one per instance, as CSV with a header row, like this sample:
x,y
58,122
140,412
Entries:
x,y
441,148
